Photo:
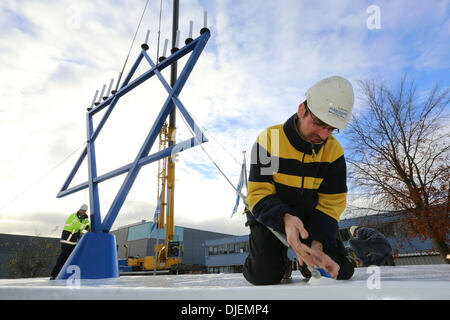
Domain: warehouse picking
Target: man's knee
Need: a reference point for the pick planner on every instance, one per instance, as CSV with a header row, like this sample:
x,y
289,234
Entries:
x,y
346,270
266,262
339,254
261,273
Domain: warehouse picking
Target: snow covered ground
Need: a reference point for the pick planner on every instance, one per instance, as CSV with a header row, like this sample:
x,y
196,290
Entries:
x,y
400,282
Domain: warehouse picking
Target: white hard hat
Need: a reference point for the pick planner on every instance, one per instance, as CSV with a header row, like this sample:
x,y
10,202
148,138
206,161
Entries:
x,y
84,207
331,100
352,230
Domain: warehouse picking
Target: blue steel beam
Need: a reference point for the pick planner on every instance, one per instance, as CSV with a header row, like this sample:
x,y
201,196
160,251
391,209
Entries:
x,y
116,97
92,170
132,169
125,88
74,171
113,100
145,76
175,99
135,168
180,147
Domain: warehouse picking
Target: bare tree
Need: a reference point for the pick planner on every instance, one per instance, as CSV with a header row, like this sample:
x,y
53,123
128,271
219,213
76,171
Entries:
x,y
399,155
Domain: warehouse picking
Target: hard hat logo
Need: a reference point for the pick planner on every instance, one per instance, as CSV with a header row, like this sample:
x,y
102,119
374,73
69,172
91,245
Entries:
x,y
338,112
331,100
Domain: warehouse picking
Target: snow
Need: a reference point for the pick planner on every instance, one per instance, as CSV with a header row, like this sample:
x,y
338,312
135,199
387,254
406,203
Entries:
x,y
399,282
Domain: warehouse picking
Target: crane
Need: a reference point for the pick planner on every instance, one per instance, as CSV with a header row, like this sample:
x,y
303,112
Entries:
x,y
168,255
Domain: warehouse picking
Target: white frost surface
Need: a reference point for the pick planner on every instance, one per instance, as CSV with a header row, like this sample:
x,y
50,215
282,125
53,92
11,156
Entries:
x,y
399,282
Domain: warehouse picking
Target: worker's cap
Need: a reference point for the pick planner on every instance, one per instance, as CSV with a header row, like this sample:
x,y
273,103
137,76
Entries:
x,y
352,230
84,207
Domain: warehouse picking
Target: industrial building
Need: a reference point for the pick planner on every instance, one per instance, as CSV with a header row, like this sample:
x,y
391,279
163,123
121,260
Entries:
x,y
136,240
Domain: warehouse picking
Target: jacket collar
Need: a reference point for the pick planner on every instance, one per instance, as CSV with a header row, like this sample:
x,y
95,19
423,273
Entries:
x,y
294,137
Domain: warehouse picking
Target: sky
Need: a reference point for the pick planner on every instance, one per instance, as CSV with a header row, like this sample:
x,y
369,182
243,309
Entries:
x,y
255,69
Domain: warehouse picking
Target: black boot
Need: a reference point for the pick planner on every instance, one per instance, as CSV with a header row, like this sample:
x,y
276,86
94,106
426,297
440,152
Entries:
x,y
390,260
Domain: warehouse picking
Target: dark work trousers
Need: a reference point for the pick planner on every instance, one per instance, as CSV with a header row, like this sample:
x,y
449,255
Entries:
x,y
267,261
66,250
378,249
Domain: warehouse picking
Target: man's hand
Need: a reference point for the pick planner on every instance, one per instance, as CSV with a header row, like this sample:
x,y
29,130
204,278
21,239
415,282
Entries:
x,y
293,227
328,264
311,256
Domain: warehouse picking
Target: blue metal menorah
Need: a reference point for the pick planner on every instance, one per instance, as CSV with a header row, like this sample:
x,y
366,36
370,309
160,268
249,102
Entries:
x,y
95,255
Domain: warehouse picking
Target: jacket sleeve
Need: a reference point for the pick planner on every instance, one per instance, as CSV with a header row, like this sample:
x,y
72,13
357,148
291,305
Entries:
x,y
86,225
263,202
332,200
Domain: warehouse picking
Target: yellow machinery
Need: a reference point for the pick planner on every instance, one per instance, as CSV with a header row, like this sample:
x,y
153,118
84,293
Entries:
x,y
167,254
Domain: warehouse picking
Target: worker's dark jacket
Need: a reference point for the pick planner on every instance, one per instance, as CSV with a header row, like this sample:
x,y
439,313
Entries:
x,y
364,233
291,175
73,228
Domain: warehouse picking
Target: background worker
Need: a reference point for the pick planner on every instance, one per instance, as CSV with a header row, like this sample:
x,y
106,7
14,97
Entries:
x,y
75,225
374,243
297,186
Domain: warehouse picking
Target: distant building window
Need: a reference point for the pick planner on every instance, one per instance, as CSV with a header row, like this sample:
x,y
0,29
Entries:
x,y
228,248
223,249
243,247
226,269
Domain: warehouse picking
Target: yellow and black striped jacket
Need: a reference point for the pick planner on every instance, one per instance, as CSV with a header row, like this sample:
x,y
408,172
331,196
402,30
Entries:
x,y
291,175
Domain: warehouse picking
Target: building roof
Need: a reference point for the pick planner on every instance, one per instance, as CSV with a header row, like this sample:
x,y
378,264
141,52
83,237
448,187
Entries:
x,y
232,239
370,219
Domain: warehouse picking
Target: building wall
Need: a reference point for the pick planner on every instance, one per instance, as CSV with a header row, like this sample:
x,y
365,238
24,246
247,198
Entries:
x,y
232,259
227,255
229,251
30,251
121,238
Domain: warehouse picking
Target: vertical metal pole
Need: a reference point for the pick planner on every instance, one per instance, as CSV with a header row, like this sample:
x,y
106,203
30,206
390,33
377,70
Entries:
x,y
172,129
173,67
93,188
156,250
169,218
